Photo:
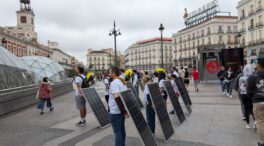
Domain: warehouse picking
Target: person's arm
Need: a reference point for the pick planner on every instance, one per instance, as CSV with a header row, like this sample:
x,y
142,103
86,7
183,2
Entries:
x,y
135,80
78,82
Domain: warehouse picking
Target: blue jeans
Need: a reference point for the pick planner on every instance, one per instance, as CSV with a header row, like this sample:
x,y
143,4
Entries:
x,y
137,88
118,125
41,103
222,85
150,118
229,87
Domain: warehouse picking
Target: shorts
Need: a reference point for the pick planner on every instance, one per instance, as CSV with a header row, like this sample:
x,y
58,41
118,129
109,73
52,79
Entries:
x,y
80,102
195,82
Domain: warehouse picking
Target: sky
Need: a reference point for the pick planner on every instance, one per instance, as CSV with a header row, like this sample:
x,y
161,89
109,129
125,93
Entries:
x,y
81,24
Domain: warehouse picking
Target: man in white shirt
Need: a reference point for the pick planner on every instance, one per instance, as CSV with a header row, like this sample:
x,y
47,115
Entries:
x,y
135,81
79,98
117,113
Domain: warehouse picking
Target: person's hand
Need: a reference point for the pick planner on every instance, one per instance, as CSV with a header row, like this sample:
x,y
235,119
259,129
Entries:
x,y
126,115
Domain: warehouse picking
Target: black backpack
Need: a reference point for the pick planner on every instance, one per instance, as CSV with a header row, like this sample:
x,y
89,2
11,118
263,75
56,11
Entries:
x,y
85,82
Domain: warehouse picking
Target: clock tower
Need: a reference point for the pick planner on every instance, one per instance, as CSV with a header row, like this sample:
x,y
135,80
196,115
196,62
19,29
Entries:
x,y
25,21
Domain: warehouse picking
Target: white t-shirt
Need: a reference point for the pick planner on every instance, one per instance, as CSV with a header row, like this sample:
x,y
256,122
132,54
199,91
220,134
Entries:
x,y
79,80
176,90
116,86
146,92
161,86
176,74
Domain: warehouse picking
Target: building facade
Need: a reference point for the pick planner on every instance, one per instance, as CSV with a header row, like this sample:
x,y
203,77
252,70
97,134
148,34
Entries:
x,y
100,60
65,60
250,25
146,54
214,31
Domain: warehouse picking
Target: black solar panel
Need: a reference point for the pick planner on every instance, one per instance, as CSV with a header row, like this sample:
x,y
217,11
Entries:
x,y
136,95
137,117
97,106
183,95
185,90
161,110
174,100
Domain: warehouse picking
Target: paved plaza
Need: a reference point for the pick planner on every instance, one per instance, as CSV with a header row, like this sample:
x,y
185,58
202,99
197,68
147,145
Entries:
x,y
215,121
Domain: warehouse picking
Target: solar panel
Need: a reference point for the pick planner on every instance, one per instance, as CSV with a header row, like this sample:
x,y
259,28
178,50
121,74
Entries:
x,y
136,95
183,95
161,110
174,100
137,117
185,90
97,106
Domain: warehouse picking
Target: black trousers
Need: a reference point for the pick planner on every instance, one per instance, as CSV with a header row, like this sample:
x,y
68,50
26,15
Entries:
x,y
107,100
248,104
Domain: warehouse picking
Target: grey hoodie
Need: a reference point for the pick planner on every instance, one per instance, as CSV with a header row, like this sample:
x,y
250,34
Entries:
x,y
247,71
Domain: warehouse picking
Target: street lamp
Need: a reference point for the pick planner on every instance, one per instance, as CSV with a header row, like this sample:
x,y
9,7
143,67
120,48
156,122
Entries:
x,y
161,28
115,32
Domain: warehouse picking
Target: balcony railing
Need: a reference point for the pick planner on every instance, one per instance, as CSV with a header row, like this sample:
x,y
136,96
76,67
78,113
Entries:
x,y
242,17
229,31
242,30
220,31
259,8
220,42
260,41
259,24
251,27
209,32
251,12
251,43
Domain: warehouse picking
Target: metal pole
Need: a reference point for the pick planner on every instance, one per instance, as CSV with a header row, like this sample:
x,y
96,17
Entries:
x,y
115,34
162,64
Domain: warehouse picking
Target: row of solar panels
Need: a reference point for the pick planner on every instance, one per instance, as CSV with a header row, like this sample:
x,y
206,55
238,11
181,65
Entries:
x,y
133,105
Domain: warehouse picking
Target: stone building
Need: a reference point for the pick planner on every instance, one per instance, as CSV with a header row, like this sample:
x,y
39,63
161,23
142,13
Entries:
x,y
146,54
250,25
218,30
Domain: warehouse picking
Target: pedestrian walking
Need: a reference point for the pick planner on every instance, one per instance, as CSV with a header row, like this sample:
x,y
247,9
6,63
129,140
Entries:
x,y
237,88
162,78
175,71
186,79
182,73
196,77
80,82
44,95
107,81
135,80
255,90
150,112
228,80
117,112
221,78
247,101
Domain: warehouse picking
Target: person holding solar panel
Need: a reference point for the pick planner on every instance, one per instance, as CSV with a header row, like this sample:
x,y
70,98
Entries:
x,y
117,113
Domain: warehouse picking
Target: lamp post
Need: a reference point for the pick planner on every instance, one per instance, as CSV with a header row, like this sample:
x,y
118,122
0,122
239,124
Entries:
x,y
115,32
161,28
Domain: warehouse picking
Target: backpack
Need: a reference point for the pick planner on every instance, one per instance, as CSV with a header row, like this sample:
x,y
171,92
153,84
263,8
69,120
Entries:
x,y
85,82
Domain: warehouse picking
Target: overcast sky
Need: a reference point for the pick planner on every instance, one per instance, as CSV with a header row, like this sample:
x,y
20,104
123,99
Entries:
x,y
81,24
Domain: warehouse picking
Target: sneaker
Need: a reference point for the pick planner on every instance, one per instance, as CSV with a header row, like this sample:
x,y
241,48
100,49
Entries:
x,y
172,112
230,96
224,93
227,94
41,113
243,118
51,109
247,126
81,123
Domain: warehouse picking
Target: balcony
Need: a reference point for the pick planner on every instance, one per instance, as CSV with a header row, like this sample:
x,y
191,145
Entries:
x,y
232,42
209,32
251,12
242,30
193,38
220,31
229,31
251,43
242,17
251,28
259,24
209,43
202,35
259,8
260,41
221,42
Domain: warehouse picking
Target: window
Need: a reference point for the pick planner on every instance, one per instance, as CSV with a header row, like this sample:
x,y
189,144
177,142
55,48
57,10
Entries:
x,y
32,21
23,19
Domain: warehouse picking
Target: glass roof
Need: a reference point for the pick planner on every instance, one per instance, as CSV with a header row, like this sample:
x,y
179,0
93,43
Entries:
x,y
44,67
13,72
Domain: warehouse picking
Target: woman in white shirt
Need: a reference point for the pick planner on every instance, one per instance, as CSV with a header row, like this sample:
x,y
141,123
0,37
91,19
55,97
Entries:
x,y
117,112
